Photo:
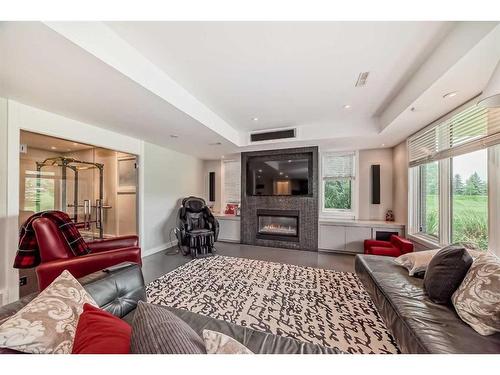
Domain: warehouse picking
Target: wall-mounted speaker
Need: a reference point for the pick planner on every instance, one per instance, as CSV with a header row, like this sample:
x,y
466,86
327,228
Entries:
x,y
376,184
211,186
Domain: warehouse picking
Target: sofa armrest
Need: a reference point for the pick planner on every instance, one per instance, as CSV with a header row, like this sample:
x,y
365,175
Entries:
x,y
377,243
385,251
86,264
402,244
113,243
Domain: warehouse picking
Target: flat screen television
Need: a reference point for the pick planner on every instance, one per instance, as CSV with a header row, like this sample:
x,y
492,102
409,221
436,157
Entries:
x,y
274,176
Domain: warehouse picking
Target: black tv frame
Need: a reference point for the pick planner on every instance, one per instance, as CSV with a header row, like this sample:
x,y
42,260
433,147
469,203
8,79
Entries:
x,y
281,157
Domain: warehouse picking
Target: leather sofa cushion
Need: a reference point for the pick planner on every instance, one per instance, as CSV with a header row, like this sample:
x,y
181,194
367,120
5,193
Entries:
x,y
417,324
118,289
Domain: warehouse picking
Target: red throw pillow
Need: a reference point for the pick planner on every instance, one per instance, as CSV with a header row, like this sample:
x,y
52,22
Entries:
x,y
99,332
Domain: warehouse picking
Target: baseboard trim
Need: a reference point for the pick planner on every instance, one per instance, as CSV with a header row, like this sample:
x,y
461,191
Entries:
x,y
156,249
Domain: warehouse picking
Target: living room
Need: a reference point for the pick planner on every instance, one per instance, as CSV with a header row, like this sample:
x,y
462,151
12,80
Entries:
x,y
261,187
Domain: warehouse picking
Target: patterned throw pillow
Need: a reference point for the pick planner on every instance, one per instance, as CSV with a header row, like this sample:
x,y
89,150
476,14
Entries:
x,y
219,343
48,323
477,299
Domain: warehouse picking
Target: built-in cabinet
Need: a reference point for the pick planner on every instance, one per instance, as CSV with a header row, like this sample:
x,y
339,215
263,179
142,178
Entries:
x,y
336,236
348,236
229,228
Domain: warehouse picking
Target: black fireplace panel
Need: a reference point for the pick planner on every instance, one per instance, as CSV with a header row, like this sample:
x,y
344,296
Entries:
x,y
278,225
306,205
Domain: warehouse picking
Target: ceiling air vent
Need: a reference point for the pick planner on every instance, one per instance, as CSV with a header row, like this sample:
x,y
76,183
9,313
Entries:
x,y
272,135
363,76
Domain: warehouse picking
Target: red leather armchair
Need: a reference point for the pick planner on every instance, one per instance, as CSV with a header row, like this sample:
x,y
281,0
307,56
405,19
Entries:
x,y
56,256
395,247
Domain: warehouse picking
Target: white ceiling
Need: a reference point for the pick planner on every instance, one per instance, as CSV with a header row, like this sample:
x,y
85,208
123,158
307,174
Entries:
x,y
285,73
45,70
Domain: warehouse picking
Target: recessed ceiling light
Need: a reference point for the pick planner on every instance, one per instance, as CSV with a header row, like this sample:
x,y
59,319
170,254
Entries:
x,y
255,119
286,176
450,94
222,157
260,170
347,106
281,173
174,136
53,148
289,161
383,144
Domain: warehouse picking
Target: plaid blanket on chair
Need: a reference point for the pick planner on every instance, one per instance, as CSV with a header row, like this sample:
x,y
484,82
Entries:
x,y
28,254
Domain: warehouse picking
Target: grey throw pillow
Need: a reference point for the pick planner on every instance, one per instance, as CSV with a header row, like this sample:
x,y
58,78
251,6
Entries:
x,y
446,272
156,330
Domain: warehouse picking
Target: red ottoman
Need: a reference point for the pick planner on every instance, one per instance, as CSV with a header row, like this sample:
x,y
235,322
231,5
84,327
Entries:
x,y
395,247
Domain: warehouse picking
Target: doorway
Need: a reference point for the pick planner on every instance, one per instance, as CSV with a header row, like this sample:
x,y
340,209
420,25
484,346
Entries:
x,y
95,186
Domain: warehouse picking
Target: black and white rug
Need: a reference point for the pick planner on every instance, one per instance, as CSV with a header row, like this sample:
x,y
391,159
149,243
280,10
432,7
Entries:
x,y
309,304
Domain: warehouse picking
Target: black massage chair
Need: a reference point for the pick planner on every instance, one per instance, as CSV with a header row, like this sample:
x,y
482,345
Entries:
x,y
197,228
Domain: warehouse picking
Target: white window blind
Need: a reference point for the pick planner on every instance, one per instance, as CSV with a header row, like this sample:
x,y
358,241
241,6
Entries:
x,y
232,181
469,130
338,166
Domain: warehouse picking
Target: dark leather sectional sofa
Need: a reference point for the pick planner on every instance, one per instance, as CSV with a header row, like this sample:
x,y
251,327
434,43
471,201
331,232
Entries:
x,y
118,290
418,324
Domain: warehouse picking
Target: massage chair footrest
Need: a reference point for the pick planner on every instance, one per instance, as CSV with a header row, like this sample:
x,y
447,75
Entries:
x,y
200,244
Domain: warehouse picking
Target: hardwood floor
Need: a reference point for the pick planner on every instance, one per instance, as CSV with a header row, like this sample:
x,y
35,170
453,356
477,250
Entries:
x,y
158,264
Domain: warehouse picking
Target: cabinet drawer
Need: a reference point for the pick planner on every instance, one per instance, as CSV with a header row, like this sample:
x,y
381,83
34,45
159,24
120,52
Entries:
x,y
332,237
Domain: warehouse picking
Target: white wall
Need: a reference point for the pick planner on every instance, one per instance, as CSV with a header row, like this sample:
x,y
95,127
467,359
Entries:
x,y
4,254
400,182
368,211
3,157
169,176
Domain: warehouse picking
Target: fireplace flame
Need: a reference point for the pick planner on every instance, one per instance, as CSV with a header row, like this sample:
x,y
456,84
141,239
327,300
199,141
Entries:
x,y
278,228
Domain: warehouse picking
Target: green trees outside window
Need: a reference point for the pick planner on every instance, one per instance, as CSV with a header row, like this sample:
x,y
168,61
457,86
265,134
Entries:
x,y
338,194
470,198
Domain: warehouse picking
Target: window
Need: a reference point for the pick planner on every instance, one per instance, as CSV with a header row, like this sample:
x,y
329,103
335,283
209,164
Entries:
x,y
45,191
232,181
429,199
470,198
448,178
338,194
338,175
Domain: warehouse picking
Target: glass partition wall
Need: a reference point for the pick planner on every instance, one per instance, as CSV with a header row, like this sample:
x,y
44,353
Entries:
x,y
95,186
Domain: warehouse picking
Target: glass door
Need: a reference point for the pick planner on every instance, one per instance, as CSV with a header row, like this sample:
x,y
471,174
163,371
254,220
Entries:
x,y
95,186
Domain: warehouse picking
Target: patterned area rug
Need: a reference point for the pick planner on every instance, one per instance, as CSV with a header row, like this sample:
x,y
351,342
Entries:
x,y
309,304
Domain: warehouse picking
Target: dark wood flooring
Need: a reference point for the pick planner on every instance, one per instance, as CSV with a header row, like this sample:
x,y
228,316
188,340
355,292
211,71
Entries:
x,y
158,264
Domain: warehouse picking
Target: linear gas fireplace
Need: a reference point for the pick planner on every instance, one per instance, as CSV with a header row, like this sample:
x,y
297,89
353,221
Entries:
x,y
279,198
280,225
